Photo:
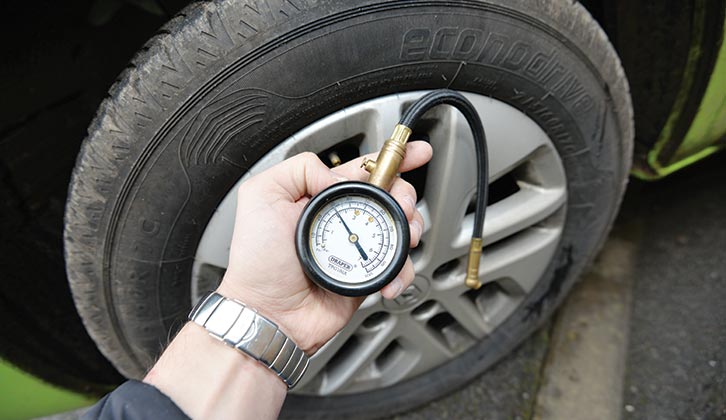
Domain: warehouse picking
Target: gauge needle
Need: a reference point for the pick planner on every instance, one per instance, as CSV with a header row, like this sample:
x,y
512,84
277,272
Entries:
x,y
353,237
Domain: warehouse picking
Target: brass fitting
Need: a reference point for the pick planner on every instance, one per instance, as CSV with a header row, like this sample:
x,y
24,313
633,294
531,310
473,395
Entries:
x,y
383,171
334,159
369,165
472,267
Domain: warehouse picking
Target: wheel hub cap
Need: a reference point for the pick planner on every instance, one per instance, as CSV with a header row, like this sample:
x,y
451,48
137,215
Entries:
x,y
411,297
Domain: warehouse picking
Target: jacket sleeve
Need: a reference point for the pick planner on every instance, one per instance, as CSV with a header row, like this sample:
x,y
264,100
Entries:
x,y
135,400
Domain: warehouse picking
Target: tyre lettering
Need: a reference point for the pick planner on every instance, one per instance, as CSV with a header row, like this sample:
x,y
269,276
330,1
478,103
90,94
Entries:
x,y
516,55
492,48
466,44
444,41
415,44
550,122
474,45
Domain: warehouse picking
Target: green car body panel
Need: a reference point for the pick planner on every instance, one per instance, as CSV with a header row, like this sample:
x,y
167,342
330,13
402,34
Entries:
x,y
24,396
707,131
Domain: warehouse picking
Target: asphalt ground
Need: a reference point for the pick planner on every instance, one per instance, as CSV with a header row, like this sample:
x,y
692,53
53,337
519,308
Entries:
x,y
648,322
676,360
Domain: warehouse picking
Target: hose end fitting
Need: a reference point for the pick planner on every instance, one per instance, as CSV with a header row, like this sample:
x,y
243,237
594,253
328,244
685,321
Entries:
x,y
385,168
472,267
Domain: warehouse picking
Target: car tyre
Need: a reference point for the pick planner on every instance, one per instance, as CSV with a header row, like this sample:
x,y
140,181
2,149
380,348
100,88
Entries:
x,y
224,82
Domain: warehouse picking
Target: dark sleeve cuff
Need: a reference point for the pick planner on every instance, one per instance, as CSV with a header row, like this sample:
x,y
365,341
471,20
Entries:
x,y
135,400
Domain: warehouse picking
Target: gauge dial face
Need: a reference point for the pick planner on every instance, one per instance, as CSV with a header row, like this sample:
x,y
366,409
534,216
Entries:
x,y
353,239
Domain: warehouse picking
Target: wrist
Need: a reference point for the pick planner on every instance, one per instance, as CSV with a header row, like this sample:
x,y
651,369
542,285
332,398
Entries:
x,y
204,377
290,321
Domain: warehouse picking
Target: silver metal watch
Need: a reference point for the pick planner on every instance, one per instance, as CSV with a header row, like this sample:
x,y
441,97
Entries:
x,y
243,328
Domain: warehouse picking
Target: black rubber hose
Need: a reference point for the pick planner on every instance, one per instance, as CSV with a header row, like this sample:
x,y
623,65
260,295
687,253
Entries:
x,y
457,100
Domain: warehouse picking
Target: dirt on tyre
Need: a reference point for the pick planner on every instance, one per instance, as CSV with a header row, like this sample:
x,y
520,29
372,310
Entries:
x,y
226,83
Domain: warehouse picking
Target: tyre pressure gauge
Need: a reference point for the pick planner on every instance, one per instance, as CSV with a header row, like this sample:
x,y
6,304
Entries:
x,y
352,238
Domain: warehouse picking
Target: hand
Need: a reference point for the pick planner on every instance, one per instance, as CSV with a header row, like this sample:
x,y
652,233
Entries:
x,y
264,271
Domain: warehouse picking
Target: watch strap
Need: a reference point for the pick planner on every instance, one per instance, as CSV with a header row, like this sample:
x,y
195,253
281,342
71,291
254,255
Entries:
x,y
243,328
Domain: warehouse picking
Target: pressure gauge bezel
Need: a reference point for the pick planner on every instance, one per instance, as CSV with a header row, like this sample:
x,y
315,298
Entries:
x,y
305,253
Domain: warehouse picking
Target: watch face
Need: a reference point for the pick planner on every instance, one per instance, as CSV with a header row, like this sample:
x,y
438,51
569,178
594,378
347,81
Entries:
x,y
353,238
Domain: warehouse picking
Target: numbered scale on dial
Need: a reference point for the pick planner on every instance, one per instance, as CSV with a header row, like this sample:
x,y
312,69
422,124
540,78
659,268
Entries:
x,y
352,238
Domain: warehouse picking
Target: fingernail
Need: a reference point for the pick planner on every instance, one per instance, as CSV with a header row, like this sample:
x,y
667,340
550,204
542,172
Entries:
x,y
397,286
417,227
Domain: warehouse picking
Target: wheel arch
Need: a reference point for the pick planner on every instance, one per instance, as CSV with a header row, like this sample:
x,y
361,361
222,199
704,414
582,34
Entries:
x,y
669,51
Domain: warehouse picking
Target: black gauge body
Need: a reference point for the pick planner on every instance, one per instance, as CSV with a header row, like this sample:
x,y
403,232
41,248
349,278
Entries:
x,y
358,219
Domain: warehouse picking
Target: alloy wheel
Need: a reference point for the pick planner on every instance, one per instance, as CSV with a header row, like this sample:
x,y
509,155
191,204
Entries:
x,y
437,318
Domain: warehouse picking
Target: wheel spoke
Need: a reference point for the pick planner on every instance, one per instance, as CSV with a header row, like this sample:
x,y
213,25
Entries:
x,y
422,261
425,349
456,305
518,263
214,246
423,208
523,261
360,357
511,136
331,348
525,208
342,125
466,314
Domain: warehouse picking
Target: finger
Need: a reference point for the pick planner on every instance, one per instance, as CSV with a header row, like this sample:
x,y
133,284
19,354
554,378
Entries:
x,y
405,194
404,279
301,175
416,226
418,153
